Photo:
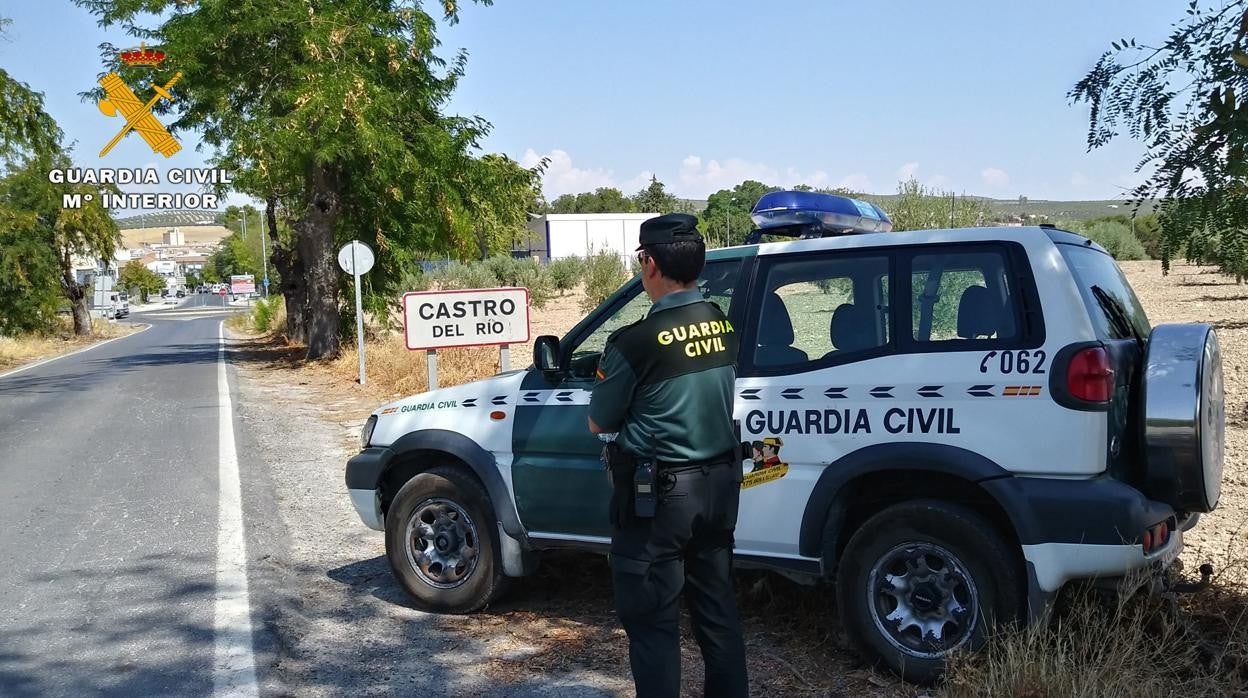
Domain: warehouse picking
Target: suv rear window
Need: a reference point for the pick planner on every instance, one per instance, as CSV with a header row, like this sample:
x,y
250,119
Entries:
x,y
1105,293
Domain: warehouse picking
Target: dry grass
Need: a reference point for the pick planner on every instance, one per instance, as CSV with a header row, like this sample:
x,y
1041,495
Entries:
x,y
393,371
17,351
1145,645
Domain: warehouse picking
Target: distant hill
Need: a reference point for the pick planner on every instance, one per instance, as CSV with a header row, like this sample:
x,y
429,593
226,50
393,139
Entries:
x,y
133,238
1068,210
1045,210
171,219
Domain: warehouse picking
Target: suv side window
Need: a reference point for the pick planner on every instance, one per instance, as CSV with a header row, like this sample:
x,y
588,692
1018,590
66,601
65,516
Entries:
x,y
823,309
962,295
718,282
1106,293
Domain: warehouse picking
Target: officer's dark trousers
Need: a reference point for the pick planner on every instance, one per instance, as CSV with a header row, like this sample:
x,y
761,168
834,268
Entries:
x,y
686,550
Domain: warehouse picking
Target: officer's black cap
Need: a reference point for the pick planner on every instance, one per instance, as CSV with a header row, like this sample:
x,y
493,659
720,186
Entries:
x,y
673,227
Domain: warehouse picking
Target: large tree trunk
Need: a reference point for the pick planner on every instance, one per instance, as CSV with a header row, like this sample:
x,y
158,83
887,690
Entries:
x,y
316,252
290,269
76,296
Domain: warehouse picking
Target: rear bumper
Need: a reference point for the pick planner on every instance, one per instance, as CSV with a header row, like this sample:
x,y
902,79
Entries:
x,y
1083,529
1054,564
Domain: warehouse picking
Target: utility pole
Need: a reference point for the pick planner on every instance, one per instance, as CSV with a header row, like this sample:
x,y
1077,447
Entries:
x,y
244,224
953,200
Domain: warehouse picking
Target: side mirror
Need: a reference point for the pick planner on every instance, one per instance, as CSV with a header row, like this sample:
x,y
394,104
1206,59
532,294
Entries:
x,y
546,353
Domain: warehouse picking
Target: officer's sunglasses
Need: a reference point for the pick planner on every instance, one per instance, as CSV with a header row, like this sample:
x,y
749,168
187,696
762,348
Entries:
x,y
642,256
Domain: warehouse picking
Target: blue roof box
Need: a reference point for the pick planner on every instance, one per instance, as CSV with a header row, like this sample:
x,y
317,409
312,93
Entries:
x,y
780,212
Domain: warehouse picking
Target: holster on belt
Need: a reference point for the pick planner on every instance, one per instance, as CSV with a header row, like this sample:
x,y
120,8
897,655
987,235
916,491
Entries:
x,y
621,468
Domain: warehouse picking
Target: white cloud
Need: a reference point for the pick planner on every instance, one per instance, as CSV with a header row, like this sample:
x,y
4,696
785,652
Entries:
x,y
1079,179
906,171
698,179
562,177
995,178
636,184
695,177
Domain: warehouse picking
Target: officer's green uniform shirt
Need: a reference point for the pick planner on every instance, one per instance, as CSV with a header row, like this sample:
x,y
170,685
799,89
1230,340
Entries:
x,y
666,382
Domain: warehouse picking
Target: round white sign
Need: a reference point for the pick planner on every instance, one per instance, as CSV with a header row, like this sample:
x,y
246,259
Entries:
x,y
355,258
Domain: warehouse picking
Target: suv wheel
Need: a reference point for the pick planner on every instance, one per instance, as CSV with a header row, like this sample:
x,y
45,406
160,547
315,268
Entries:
x,y
922,579
441,540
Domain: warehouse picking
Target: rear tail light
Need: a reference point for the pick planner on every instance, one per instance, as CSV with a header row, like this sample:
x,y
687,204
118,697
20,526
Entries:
x,y
1090,376
1156,537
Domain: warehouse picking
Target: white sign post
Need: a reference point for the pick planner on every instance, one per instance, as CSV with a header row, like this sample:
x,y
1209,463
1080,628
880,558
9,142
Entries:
x,y
472,318
356,258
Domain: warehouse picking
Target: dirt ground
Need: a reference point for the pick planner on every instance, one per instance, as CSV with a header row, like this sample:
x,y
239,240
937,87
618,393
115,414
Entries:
x,y
1200,294
560,622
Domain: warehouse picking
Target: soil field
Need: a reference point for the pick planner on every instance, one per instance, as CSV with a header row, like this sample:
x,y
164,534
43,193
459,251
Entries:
x,y
1200,294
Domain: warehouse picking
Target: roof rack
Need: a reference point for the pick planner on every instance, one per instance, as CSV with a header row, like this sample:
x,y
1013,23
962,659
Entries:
x,y
806,214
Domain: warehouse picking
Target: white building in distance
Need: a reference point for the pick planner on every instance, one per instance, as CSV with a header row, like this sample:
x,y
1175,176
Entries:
x,y
557,235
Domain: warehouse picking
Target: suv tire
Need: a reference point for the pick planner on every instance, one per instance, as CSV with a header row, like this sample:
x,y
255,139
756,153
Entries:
x,y
442,542
953,571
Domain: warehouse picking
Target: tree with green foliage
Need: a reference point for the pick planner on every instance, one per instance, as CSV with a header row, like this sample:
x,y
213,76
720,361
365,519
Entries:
x,y
135,276
24,126
32,207
1114,235
654,198
566,273
600,200
235,256
726,219
1146,228
1184,100
338,127
917,207
29,279
498,195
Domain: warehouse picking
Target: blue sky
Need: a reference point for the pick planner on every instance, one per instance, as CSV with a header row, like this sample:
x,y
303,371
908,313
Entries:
x,y
964,96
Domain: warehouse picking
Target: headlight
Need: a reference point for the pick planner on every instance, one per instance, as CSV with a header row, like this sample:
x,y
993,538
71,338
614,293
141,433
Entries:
x,y
366,434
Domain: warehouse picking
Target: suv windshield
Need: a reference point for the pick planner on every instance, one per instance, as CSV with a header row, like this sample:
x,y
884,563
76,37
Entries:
x,y
1111,304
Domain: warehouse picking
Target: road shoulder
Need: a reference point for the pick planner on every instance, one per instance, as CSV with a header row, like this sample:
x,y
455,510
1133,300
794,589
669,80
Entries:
x,y
344,625
23,353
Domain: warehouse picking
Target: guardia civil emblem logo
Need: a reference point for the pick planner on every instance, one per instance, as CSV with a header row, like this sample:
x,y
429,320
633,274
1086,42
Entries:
x,y
138,115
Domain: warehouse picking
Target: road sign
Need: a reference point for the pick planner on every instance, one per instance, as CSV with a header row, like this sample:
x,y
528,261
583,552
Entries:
x,y
442,319
222,291
242,283
356,258
355,255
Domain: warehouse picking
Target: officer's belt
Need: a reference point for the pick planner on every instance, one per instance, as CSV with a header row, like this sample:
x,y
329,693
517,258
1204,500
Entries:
x,y
721,459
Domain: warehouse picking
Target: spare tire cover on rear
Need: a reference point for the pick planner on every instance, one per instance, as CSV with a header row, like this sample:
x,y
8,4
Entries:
x,y
1184,419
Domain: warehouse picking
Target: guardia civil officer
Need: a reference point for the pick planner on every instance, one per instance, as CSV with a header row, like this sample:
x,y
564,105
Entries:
x,y
665,384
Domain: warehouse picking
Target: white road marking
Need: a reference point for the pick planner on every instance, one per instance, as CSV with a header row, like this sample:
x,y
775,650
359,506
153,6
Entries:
x,y
234,666
97,345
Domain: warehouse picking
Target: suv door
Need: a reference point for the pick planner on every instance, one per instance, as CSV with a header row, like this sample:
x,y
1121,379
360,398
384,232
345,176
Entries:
x,y
559,482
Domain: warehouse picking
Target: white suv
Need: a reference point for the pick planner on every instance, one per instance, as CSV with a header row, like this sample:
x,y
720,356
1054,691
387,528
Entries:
x,y
951,424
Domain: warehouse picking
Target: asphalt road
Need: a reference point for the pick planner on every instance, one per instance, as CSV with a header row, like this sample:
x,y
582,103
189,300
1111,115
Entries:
x,y
149,547
109,515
